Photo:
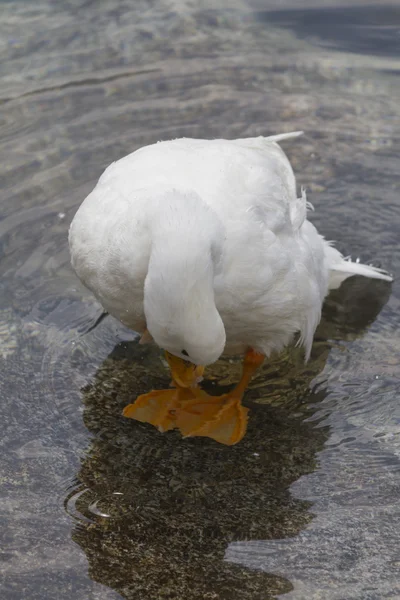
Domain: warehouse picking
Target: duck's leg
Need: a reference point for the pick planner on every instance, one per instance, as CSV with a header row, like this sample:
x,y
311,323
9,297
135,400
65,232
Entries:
x,y
222,418
159,407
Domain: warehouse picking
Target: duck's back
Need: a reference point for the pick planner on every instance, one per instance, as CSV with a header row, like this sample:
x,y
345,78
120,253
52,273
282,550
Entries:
x,y
231,176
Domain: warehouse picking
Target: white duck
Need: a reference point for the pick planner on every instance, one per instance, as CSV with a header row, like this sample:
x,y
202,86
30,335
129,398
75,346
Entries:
x,y
204,247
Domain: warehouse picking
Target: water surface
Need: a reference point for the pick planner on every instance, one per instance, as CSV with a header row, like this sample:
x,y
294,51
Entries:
x,y
98,506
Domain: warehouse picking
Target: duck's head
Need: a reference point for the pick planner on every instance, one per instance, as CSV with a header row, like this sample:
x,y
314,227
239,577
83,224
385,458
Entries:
x,y
186,328
193,336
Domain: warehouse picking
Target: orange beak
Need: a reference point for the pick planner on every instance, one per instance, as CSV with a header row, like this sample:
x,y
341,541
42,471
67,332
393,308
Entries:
x,y
184,373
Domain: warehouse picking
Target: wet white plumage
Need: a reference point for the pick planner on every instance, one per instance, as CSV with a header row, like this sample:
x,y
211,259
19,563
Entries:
x,y
206,243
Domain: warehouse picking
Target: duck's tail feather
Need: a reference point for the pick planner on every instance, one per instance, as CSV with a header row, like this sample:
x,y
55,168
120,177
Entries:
x,y
298,210
284,136
340,268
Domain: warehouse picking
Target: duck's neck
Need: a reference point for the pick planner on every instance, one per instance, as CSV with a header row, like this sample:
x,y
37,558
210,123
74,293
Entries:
x,y
185,246
181,272
186,243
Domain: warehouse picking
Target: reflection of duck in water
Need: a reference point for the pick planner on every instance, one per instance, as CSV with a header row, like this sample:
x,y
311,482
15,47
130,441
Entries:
x,y
174,508
204,247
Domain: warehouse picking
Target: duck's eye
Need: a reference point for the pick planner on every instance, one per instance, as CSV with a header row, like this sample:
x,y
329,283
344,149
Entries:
x,y
184,353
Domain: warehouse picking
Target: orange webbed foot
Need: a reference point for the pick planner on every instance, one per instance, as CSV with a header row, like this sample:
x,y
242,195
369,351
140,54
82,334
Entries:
x,y
157,408
193,411
221,418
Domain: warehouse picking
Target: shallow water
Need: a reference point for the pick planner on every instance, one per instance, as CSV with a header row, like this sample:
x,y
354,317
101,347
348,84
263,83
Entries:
x,y
96,506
